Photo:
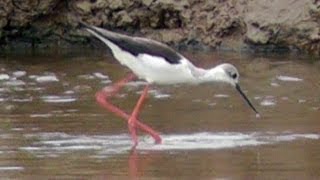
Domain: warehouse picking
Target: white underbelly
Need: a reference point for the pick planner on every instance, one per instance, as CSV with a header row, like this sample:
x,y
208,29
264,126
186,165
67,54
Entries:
x,y
161,74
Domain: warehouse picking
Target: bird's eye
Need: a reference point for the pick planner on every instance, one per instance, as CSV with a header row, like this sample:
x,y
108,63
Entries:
x,y
234,76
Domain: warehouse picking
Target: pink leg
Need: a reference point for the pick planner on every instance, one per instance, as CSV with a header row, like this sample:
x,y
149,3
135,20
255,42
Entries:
x,y
102,98
133,119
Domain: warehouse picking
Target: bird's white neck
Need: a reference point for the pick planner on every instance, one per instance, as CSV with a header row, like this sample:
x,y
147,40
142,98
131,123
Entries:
x,y
215,74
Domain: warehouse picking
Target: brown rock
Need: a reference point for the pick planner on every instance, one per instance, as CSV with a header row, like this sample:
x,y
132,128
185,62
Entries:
x,y
83,7
5,8
171,36
284,23
114,5
232,24
123,19
147,2
24,11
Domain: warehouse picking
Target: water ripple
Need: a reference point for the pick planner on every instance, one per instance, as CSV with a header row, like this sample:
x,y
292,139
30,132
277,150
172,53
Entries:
x,y
58,99
46,78
54,144
289,78
11,168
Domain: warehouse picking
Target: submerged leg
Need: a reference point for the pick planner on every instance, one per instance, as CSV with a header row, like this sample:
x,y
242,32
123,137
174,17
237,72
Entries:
x,y
103,96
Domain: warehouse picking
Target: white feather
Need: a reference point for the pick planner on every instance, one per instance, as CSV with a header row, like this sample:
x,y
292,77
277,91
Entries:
x,y
153,69
158,70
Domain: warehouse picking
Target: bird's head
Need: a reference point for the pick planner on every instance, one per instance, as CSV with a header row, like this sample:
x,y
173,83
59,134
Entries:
x,y
229,74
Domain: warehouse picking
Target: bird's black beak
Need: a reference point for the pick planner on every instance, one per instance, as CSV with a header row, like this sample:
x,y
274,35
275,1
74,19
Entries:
x,y
246,98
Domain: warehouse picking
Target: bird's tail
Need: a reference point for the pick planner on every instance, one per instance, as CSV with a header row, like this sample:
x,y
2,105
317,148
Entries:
x,y
101,32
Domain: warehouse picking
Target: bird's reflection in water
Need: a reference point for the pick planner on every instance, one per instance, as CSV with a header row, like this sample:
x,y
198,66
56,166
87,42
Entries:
x,y
137,163
133,162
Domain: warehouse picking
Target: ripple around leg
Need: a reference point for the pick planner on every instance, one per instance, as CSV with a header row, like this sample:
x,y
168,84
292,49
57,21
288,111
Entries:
x,y
54,144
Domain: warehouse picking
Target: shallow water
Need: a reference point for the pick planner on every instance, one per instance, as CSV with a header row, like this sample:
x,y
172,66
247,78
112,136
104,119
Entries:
x,y
51,126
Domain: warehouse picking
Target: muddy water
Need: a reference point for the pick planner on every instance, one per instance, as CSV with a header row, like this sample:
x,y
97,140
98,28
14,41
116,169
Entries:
x,y
51,126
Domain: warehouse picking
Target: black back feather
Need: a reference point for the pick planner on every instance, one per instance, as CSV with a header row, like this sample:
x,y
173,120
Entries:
x,y
137,45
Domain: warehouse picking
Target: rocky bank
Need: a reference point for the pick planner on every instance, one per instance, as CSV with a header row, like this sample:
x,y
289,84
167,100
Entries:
x,y
227,24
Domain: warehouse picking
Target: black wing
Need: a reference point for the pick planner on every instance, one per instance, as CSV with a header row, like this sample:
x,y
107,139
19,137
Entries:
x,y
137,45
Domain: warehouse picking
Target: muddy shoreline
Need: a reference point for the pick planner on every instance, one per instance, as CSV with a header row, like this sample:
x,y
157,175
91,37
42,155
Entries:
x,y
291,25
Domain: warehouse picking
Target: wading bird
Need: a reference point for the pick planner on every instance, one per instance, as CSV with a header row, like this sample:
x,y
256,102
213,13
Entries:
x,y
156,63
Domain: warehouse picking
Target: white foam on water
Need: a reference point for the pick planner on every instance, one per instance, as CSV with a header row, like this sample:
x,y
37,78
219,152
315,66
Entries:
x,y
57,143
3,99
17,129
4,89
35,88
69,92
107,81
136,83
221,96
72,110
274,84
58,99
257,97
289,78
11,168
100,75
15,82
204,141
4,77
32,76
158,94
46,78
40,115
86,76
19,73
161,96
268,101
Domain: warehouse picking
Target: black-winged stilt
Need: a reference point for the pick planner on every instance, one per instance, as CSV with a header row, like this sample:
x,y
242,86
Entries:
x,y
155,63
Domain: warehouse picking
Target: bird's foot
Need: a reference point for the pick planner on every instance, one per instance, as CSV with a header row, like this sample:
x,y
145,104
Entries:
x,y
158,140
